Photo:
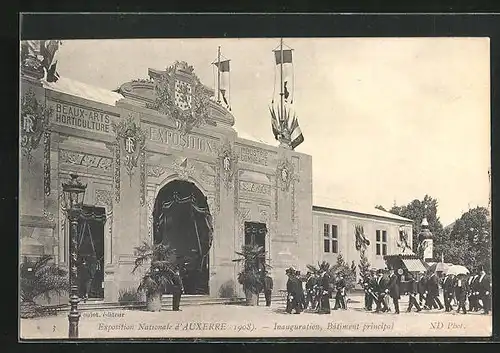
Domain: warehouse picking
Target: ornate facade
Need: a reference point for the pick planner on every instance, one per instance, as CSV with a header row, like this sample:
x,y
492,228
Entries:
x,y
127,146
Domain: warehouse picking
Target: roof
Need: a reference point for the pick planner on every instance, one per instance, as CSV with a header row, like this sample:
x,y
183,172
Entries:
x,y
350,206
83,90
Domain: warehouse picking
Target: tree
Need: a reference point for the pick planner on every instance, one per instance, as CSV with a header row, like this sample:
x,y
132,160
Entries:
x,y
470,239
416,210
381,208
342,268
364,264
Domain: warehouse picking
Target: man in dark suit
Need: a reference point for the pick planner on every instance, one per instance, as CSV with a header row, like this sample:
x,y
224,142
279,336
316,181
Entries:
x,y
380,287
293,292
368,288
472,286
310,295
422,288
448,291
340,287
324,287
393,290
461,289
412,290
484,289
177,289
268,287
433,292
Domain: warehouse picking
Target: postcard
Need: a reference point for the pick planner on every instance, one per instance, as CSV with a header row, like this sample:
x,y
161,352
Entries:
x,y
254,188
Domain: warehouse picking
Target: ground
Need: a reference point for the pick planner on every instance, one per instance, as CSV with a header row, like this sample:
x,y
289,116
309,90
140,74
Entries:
x,y
251,322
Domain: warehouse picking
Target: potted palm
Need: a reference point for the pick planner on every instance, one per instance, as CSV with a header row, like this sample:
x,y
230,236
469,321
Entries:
x,y
162,261
253,258
40,278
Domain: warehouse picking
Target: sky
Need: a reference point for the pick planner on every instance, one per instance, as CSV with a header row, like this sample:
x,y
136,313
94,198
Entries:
x,y
387,120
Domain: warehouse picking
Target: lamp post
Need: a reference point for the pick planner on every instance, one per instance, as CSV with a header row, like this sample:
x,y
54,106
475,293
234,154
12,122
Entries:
x,y
74,192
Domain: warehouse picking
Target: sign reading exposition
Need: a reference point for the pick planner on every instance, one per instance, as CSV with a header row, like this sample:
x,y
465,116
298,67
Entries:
x,y
80,118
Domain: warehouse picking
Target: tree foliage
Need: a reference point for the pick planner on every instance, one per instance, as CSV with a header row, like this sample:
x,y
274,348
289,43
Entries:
x,y
253,258
364,264
469,240
162,261
343,269
416,210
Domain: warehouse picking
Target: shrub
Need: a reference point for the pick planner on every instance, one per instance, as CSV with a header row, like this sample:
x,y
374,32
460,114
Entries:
x,y
40,278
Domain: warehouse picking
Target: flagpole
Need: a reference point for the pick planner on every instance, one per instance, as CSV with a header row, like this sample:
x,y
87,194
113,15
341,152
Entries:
x,y
218,75
281,81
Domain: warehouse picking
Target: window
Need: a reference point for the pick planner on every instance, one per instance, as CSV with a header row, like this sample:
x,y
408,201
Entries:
x,y
381,242
330,238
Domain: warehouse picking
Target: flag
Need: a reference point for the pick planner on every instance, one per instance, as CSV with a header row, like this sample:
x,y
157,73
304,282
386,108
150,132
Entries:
x,y
274,123
48,49
296,136
361,241
287,56
285,88
223,65
223,92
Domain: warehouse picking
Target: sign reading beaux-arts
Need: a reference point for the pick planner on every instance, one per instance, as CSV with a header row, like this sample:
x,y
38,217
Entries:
x,y
84,118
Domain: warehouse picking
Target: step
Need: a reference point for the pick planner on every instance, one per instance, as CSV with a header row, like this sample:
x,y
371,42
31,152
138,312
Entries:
x,y
194,300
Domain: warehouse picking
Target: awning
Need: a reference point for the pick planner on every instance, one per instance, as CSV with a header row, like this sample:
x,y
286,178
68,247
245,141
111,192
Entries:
x,y
414,265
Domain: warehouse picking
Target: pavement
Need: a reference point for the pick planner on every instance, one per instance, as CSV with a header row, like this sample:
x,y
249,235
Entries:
x,y
233,321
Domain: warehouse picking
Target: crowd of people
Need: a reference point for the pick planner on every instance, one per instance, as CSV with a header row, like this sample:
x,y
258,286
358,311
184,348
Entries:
x,y
314,290
384,288
423,290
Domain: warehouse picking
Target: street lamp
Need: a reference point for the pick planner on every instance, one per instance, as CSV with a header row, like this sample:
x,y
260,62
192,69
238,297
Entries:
x,y
74,192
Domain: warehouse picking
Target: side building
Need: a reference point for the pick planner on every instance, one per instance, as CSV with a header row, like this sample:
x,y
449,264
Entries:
x,y
334,232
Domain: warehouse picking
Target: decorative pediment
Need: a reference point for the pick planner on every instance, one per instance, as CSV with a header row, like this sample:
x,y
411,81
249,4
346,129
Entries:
x,y
177,93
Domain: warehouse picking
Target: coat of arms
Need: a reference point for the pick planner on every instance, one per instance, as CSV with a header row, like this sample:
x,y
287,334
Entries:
x,y
132,140
228,160
285,174
181,97
34,122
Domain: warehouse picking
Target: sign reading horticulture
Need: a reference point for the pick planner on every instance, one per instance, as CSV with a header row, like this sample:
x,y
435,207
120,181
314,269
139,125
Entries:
x,y
81,118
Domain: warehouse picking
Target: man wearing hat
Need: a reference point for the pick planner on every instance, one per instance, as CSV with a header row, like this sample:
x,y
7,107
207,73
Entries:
x,y
293,295
422,289
268,287
461,290
324,283
310,283
177,289
412,288
393,290
448,291
340,301
380,287
368,288
433,292
472,286
484,289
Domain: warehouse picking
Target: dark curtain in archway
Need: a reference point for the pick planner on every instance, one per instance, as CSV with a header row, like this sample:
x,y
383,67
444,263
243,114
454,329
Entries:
x,y
183,219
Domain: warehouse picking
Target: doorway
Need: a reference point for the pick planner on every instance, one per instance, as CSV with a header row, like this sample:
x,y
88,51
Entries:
x,y
255,234
182,220
91,252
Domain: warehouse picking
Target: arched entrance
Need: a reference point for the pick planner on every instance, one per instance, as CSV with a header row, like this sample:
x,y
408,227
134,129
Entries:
x,y
182,219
